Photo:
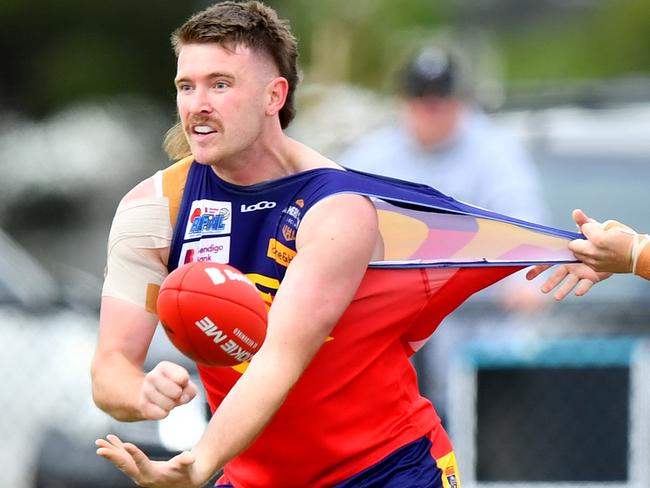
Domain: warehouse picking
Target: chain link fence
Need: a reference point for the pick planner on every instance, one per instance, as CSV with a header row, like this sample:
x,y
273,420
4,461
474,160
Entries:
x,y
46,364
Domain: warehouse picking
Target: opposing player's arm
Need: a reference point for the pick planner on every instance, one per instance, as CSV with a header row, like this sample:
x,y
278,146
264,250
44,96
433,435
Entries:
x,y
136,265
335,242
609,247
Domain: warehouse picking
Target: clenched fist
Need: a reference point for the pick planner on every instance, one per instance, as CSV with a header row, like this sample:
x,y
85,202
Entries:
x,y
165,387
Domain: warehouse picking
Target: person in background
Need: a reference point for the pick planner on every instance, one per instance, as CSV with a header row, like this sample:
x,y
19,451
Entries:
x,y
609,247
444,140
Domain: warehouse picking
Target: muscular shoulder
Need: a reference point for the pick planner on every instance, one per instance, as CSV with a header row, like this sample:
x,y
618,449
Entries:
x,y
346,216
169,183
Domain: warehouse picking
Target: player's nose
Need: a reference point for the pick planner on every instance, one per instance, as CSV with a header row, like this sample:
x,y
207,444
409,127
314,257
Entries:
x,y
199,102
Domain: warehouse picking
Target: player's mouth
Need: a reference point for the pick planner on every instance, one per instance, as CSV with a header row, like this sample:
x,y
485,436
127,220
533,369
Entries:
x,y
203,131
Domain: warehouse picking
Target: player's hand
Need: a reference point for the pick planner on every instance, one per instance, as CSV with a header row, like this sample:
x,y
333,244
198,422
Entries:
x,y
608,246
166,386
568,277
180,471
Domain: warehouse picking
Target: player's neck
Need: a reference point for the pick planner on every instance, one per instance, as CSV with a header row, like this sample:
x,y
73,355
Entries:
x,y
270,159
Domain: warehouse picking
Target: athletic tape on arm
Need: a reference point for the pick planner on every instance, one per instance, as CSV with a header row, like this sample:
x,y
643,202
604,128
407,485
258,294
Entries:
x,y
640,251
141,230
641,256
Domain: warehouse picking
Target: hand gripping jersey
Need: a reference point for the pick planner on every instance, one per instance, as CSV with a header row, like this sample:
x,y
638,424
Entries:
x,y
358,400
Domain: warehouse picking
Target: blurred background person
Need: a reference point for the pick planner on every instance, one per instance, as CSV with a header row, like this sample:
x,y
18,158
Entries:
x,y
443,139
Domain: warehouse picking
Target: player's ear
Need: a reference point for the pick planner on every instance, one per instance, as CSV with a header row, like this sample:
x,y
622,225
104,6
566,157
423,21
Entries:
x,y
277,91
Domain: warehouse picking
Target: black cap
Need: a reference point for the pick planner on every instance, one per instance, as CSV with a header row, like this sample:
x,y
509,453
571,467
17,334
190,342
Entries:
x,y
431,72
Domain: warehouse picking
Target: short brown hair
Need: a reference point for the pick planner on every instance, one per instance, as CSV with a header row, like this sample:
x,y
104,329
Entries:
x,y
251,24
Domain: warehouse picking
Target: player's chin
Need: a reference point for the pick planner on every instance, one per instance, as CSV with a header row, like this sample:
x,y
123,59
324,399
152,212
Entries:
x,y
205,157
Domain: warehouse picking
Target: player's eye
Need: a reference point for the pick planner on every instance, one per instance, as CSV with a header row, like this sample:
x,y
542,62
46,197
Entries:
x,y
221,85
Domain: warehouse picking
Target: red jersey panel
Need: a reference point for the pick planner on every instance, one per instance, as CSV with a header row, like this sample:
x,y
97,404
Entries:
x,y
358,400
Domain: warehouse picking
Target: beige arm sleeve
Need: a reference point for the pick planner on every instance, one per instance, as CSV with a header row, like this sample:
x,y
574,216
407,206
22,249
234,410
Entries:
x,y
138,246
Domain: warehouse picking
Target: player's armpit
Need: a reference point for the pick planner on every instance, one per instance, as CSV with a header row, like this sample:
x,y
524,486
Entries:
x,y
138,246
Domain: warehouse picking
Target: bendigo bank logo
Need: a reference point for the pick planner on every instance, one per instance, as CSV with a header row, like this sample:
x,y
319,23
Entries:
x,y
208,217
215,249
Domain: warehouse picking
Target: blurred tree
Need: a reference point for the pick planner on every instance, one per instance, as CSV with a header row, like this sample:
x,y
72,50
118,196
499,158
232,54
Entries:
x,y
56,53
609,40
359,41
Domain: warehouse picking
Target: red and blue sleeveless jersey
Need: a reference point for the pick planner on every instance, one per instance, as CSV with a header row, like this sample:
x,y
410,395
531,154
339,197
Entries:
x,y
358,400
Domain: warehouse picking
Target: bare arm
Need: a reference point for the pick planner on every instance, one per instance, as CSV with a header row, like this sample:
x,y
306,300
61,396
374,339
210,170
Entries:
x,y
137,254
125,332
335,243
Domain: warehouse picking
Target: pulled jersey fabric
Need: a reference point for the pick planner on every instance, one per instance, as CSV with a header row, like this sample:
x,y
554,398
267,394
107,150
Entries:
x,y
358,401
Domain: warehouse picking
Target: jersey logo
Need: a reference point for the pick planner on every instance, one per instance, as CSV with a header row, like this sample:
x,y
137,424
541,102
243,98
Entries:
x,y
452,479
208,217
263,205
289,233
280,253
293,214
213,250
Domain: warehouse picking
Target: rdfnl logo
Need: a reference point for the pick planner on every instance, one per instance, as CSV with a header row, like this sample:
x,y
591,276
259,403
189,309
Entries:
x,y
263,205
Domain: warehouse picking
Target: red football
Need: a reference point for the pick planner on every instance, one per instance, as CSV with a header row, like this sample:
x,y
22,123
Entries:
x,y
212,313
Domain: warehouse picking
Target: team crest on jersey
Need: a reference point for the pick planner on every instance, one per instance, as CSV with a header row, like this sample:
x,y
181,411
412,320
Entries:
x,y
209,217
293,213
289,233
213,250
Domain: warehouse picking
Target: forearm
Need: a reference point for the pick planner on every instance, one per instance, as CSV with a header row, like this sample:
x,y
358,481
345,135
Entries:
x,y
116,386
245,411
